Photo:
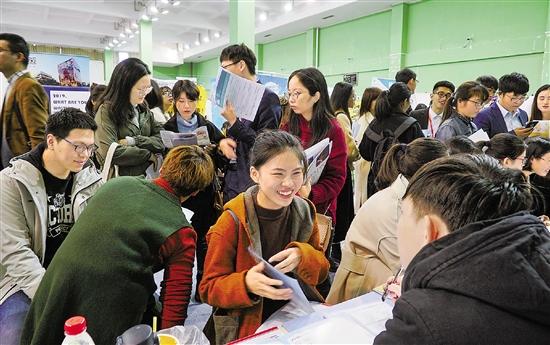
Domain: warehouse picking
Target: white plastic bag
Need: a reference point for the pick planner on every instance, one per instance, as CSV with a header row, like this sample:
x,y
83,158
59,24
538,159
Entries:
x,y
186,335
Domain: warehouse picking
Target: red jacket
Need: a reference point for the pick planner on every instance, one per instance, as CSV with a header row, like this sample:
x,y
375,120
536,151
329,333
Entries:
x,y
324,193
228,259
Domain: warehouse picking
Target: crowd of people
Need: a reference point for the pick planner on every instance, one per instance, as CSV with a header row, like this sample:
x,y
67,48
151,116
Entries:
x,y
405,191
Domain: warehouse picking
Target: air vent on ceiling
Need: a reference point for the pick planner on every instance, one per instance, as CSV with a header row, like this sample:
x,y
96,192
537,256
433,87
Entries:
x,y
327,17
267,35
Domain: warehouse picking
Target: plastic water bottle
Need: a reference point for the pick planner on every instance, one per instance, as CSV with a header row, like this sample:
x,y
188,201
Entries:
x,y
75,332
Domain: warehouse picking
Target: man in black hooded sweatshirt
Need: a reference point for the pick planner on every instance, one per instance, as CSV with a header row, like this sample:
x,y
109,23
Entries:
x,y
477,263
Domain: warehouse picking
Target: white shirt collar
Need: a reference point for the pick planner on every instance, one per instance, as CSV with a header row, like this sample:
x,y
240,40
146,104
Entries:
x,y
503,110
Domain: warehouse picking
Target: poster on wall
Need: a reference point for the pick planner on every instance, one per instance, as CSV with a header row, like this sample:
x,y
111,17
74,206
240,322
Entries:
x,y
274,82
64,97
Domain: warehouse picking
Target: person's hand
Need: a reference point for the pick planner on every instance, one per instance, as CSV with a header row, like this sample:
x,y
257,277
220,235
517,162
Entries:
x,y
305,190
259,284
394,287
544,218
523,132
229,113
123,142
228,147
288,259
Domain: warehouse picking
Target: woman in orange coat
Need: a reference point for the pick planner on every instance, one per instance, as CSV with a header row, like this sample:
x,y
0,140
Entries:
x,y
277,225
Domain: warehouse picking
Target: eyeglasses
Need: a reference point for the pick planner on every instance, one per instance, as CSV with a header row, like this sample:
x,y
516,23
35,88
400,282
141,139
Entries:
x,y
167,93
230,64
478,104
517,99
143,92
523,159
294,95
442,94
81,148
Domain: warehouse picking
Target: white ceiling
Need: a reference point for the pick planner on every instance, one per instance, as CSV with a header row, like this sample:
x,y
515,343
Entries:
x,y
93,23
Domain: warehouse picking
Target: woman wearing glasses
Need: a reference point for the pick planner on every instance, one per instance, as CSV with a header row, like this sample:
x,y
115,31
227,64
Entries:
x,y
507,148
124,118
460,110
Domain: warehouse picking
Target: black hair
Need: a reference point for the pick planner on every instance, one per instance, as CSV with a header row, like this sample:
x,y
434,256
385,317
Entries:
x,y
503,145
238,52
61,123
536,148
405,75
389,101
536,114
513,82
154,98
17,44
268,144
165,89
406,159
420,106
185,86
117,95
464,189
369,95
462,144
464,92
339,99
444,83
96,91
488,81
314,81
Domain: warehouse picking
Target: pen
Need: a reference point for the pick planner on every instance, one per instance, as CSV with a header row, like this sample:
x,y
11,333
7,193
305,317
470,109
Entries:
x,y
394,280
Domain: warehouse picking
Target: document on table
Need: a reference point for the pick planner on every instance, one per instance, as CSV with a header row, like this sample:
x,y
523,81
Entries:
x,y
298,296
243,94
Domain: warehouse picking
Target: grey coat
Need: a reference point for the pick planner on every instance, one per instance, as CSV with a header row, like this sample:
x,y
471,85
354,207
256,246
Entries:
x,y
455,125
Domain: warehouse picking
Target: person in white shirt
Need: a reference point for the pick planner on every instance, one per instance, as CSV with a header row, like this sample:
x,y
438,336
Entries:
x,y
431,118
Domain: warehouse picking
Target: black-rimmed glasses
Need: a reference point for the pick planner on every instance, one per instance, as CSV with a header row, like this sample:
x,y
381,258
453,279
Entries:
x,y
81,148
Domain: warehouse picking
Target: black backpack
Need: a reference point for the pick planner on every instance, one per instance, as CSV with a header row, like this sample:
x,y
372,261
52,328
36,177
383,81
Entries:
x,y
385,140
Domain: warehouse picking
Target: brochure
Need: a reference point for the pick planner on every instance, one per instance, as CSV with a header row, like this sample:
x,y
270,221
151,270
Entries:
x,y
317,157
480,135
197,137
542,129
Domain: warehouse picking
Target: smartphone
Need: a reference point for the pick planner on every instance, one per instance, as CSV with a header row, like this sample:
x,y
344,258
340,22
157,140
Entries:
x,y
531,124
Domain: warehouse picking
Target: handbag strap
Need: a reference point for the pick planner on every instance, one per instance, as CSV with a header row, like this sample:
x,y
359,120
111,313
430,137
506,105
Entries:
x,y
108,161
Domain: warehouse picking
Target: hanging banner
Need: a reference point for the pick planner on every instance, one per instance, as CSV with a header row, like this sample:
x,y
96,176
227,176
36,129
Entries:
x,y
60,69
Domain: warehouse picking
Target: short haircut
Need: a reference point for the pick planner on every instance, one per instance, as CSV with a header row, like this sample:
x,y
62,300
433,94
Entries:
x,y
271,143
61,123
17,44
462,144
464,189
444,83
187,169
405,75
503,145
536,148
238,52
154,98
185,86
514,82
488,81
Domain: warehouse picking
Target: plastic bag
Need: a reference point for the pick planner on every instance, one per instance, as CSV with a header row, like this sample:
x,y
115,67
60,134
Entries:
x,y
186,335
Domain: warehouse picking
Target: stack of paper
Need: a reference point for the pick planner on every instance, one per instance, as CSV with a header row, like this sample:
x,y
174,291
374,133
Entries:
x,y
317,157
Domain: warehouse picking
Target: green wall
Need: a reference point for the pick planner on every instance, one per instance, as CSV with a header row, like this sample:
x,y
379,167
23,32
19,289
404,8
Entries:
x,y
206,70
184,70
286,55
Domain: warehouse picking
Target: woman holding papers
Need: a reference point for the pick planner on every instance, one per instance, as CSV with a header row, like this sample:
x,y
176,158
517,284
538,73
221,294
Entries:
x,y
271,221
186,120
124,118
460,110
369,254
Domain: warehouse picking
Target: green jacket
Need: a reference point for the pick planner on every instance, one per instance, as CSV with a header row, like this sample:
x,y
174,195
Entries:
x,y
132,160
104,268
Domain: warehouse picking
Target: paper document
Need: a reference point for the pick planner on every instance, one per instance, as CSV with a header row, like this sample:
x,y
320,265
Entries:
x,y
298,296
480,135
542,129
243,94
317,157
198,137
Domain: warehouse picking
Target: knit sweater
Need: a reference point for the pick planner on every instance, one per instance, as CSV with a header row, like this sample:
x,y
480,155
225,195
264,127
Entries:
x,y
104,269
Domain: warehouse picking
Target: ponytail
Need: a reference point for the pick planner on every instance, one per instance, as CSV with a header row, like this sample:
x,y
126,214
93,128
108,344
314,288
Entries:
x,y
484,146
390,100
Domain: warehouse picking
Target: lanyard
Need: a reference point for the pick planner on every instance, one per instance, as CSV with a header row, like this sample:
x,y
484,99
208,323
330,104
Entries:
x,y
430,124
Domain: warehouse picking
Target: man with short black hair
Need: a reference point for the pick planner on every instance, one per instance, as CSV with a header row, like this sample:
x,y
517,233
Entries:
x,y
476,260
25,107
43,192
431,117
504,115
407,76
240,60
490,83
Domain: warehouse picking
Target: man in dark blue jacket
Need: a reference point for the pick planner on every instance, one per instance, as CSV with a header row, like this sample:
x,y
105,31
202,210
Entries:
x,y
504,115
475,273
240,60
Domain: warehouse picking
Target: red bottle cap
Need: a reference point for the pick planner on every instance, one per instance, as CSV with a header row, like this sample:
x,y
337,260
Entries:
x,y
75,325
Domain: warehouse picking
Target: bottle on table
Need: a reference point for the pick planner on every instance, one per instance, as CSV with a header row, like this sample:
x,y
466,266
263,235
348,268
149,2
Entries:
x,y
75,332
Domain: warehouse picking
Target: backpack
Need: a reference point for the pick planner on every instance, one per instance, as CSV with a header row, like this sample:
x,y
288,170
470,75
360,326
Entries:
x,y
385,140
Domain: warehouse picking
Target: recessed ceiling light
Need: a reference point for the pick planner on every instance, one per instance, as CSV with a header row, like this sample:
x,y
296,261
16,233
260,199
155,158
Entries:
x,y
131,36
176,3
288,6
155,19
263,16
123,42
164,1
122,35
197,43
111,44
134,25
107,48
217,34
136,32
115,41
153,9
145,17
186,46
206,39
165,12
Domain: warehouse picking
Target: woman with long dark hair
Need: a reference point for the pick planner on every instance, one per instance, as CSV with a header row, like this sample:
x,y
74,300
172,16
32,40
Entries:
x,y
540,110
123,117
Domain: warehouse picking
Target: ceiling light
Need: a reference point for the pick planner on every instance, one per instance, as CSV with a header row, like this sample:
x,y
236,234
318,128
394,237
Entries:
x,y
153,9
145,16
164,1
176,3
123,42
118,45
122,35
197,42
128,31
111,44
131,36
263,16
136,32
165,11
115,41
206,39
134,25
186,46
155,19
288,6
107,48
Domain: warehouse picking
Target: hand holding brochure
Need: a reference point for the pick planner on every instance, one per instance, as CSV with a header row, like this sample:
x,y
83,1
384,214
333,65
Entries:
x,y
198,137
542,129
243,94
317,157
298,296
